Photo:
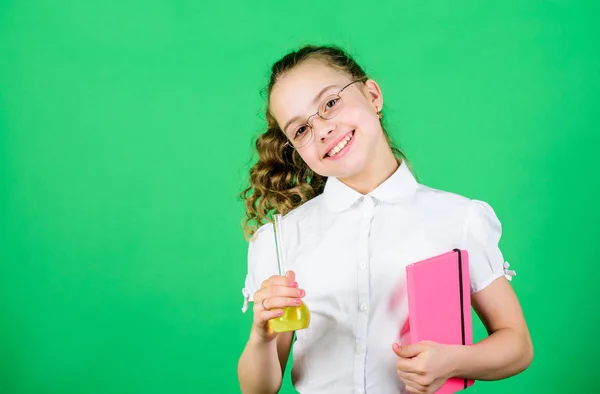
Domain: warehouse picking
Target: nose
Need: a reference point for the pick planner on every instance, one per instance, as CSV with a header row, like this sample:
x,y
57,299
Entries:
x,y
322,127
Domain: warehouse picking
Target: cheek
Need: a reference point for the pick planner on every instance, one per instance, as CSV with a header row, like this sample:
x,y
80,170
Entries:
x,y
361,117
311,157
367,122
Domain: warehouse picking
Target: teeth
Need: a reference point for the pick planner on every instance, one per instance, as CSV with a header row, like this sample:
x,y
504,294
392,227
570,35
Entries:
x,y
339,146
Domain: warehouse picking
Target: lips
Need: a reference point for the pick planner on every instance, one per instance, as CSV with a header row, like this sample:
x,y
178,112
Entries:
x,y
338,146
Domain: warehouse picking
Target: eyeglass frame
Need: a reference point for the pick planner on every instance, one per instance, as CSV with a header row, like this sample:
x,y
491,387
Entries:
x,y
312,130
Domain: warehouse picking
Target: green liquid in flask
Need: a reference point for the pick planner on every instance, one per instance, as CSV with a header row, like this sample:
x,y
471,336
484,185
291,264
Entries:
x,y
293,318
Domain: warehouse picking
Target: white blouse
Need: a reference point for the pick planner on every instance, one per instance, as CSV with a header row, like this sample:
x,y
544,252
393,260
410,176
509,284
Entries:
x,y
349,252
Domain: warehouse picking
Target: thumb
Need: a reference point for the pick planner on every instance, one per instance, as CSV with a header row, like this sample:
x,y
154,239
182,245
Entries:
x,y
291,275
407,351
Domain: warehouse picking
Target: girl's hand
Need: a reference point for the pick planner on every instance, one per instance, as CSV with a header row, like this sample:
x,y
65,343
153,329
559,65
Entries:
x,y
424,367
276,293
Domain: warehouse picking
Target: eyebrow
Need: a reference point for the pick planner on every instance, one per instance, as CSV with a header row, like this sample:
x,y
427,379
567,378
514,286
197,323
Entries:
x,y
317,97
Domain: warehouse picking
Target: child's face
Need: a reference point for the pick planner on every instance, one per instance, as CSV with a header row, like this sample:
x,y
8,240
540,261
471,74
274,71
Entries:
x,y
296,96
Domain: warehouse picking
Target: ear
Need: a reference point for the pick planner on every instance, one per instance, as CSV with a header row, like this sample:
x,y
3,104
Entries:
x,y
374,94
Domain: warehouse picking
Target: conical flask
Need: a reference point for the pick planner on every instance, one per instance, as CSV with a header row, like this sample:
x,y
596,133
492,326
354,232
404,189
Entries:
x,y
293,317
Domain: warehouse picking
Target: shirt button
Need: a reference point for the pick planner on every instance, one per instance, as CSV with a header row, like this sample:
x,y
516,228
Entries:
x,y
360,349
363,265
359,391
364,307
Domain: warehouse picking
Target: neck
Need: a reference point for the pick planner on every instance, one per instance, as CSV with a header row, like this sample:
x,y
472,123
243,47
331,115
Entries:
x,y
374,174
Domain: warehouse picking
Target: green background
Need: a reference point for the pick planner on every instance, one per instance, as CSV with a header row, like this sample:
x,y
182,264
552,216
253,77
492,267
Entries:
x,y
126,130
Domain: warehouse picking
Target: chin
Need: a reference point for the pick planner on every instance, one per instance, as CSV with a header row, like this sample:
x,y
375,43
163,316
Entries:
x,y
342,168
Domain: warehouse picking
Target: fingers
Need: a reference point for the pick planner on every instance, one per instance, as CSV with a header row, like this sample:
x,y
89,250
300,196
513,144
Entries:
x,y
278,297
261,317
408,351
412,376
412,379
276,293
278,280
291,275
279,292
412,382
283,291
415,382
413,387
409,365
405,364
290,298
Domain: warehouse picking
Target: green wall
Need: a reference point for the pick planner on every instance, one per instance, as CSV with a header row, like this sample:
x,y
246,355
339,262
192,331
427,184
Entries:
x,y
125,135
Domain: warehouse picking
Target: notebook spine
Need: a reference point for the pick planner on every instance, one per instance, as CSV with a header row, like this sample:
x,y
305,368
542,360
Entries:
x,y
462,305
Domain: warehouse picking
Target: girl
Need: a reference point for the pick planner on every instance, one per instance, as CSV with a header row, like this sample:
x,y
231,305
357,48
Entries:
x,y
354,218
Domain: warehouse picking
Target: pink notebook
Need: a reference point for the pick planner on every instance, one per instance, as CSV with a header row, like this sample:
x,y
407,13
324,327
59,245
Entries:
x,y
439,305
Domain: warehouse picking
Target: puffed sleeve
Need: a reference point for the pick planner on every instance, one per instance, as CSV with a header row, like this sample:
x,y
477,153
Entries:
x,y
482,234
262,262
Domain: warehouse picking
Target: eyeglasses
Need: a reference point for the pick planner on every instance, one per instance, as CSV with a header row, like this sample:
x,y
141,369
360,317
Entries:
x,y
331,105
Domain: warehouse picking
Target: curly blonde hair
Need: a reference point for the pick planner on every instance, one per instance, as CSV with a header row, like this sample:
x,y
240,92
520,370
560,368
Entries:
x,y
280,180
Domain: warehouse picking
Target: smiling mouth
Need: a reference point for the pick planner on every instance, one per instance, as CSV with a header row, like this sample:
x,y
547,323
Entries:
x,y
340,146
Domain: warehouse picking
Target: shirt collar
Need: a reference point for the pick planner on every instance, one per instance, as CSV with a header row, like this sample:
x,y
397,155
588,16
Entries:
x,y
400,185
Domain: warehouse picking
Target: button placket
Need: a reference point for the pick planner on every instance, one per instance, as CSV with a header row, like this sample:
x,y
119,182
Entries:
x,y
364,308
367,209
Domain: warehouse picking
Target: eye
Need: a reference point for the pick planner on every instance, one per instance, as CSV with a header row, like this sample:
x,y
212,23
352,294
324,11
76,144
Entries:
x,y
330,103
300,131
